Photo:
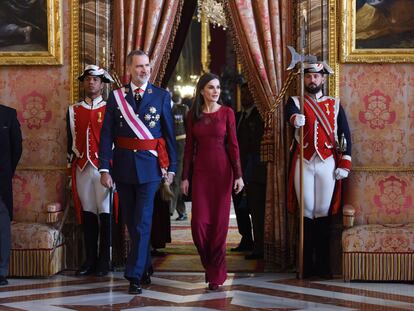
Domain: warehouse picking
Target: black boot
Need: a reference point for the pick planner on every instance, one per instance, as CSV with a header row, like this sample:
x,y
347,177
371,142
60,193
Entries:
x,y
322,230
104,247
90,233
308,245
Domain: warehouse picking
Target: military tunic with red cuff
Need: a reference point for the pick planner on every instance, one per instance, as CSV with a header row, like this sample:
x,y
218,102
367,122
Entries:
x,y
325,122
84,128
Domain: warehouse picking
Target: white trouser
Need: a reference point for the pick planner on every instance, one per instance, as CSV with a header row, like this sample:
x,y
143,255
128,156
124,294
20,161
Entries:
x,y
318,184
93,196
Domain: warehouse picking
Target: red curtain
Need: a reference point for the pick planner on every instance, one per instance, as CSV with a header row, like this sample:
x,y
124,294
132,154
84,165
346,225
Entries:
x,y
261,30
148,25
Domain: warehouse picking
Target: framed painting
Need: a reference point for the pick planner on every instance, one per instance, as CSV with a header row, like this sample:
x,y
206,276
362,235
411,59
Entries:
x,y
30,32
377,31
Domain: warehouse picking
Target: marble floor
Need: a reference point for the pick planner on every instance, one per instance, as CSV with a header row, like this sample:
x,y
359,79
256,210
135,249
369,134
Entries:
x,y
187,291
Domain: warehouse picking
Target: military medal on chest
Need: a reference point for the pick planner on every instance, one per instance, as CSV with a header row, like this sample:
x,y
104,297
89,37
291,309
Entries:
x,y
152,117
120,121
327,109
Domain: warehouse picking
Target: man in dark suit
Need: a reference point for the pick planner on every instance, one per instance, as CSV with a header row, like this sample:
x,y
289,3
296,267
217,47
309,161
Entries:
x,y
179,111
250,128
11,143
139,123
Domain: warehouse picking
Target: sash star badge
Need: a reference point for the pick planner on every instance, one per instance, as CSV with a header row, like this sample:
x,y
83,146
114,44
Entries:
x,y
152,110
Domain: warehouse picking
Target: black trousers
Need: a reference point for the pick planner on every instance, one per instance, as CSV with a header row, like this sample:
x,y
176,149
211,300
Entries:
x,y
256,201
5,239
243,217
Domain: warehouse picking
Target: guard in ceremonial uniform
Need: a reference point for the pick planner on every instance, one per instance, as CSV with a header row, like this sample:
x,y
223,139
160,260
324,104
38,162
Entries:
x,y
84,123
179,112
138,121
326,162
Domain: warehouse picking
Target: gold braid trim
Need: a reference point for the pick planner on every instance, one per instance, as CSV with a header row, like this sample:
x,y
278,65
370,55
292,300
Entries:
x,y
371,266
280,97
36,262
169,46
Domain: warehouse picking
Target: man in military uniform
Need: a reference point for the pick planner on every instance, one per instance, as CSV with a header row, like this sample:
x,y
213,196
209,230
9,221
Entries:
x,y
250,129
179,112
84,123
138,121
324,121
11,151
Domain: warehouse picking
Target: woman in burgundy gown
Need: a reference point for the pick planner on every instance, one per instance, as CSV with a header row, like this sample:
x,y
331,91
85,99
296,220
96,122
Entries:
x,y
212,152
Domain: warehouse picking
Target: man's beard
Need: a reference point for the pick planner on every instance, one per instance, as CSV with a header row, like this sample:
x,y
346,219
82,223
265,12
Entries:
x,y
142,80
313,88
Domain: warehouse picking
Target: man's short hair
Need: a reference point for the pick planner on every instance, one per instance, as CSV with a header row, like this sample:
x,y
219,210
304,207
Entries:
x,y
176,97
134,53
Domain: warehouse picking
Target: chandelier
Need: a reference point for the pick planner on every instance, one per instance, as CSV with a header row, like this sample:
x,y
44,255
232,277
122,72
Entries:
x,y
213,10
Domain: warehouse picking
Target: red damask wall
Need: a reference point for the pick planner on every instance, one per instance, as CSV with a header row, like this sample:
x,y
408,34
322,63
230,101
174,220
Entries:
x,y
40,94
379,101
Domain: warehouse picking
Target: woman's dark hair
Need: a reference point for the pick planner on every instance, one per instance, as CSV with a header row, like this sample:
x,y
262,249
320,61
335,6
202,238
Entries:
x,y
197,106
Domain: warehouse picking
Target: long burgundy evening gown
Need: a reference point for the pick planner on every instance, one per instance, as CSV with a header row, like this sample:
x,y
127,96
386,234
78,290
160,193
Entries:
x,y
212,152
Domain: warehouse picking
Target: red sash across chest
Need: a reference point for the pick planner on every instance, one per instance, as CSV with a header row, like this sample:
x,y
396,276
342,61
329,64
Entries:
x,y
319,128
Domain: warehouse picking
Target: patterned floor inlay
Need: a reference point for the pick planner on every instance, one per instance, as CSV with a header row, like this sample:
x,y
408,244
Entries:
x,y
185,291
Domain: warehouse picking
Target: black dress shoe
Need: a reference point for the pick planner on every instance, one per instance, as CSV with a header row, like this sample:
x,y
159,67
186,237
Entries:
x,y
3,280
242,247
134,288
181,217
254,256
85,270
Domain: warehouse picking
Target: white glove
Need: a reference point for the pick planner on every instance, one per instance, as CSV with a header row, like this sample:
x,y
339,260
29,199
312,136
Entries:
x,y
341,173
299,120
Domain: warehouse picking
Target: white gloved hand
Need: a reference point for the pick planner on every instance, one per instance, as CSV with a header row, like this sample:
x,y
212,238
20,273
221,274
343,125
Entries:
x,y
299,120
341,173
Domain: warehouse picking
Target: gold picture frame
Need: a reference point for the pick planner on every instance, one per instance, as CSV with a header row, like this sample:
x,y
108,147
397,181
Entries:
x,y
32,33
74,43
333,81
376,34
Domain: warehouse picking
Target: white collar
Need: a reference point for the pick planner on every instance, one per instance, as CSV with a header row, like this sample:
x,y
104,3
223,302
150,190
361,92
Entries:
x,y
316,96
93,102
142,87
